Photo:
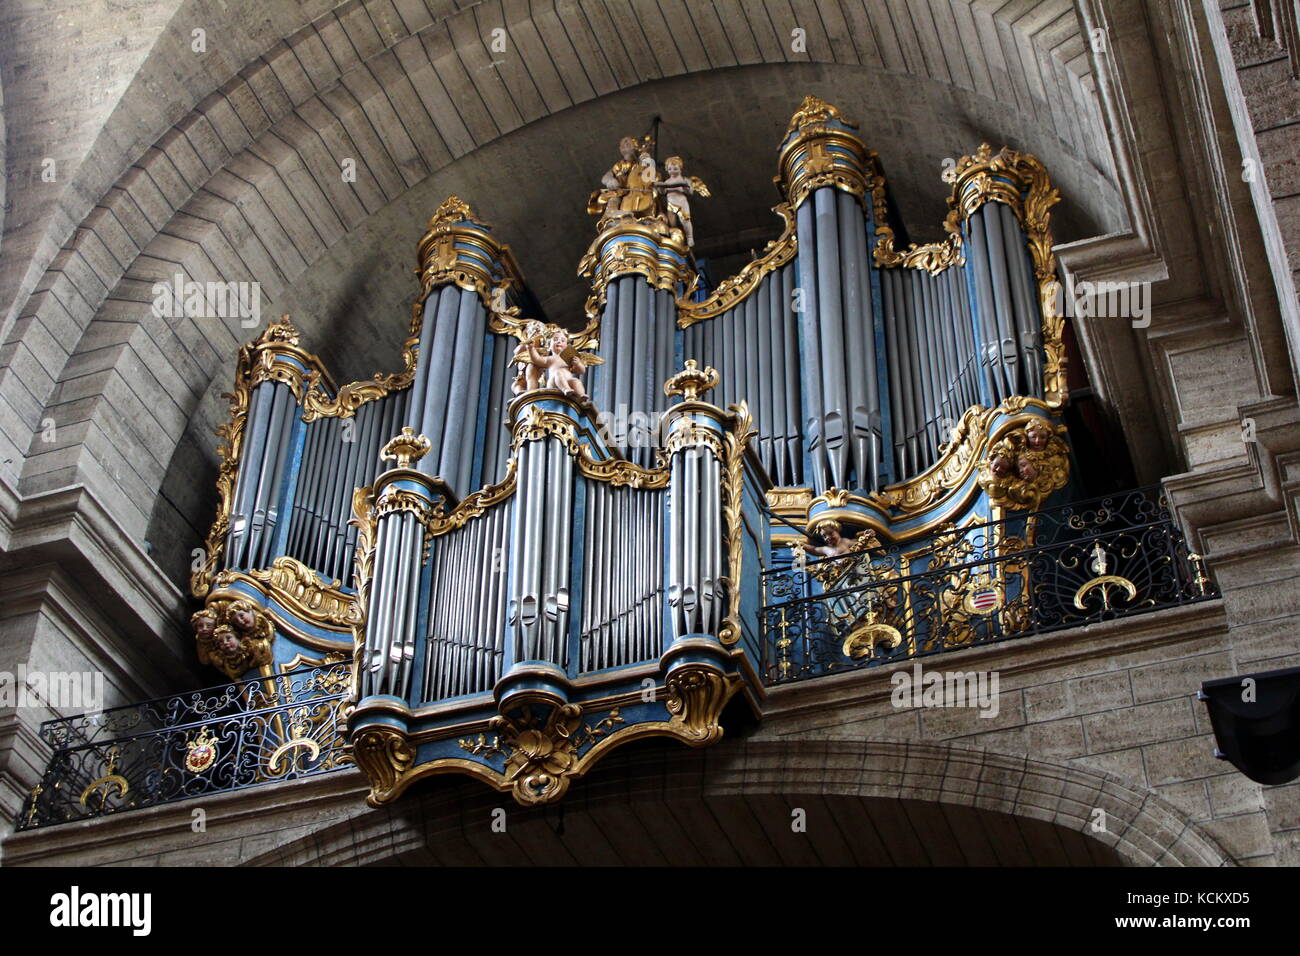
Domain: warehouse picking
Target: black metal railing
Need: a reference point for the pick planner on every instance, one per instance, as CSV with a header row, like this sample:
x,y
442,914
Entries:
x,y
209,741
1082,563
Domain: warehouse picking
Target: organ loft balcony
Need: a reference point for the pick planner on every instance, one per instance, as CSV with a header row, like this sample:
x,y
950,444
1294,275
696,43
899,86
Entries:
x,y
538,542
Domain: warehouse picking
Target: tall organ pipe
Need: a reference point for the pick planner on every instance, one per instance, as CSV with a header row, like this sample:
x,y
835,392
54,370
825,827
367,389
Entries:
x,y
831,321
865,399
814,408
1028,327
793,391
433,403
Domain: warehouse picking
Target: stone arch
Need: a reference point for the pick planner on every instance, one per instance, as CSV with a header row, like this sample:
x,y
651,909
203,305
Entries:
x,y
876,801
241,183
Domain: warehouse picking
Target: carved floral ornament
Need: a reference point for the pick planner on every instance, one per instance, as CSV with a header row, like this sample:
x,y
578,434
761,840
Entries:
x,y
301,590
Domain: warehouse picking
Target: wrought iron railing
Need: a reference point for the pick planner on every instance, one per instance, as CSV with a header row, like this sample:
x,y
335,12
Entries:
x,y
961,587
209,741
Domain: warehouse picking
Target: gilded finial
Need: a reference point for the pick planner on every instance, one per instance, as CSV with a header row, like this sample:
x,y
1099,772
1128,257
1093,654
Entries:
x,y
692,381
815,111
281,331
453,209
405,448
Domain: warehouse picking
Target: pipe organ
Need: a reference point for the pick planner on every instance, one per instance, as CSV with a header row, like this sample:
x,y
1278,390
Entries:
x,y
537,541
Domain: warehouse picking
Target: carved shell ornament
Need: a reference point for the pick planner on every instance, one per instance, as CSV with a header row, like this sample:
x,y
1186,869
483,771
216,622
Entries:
x,y
1026,465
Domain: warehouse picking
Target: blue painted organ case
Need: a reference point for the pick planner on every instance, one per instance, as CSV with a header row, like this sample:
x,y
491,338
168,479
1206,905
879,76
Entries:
x,y
526,573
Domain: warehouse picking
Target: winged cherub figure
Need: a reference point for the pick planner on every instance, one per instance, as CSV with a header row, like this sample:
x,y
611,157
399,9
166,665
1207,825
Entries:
x,y
676,188
562,363
529,375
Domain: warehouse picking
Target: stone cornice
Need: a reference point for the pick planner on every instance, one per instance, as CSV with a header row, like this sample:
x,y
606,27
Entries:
x,y
131,614
169,826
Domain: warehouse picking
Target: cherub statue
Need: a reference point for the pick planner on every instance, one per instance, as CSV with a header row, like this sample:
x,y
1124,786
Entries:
x,y
563,364
530,374
836,543
1025,466
676,188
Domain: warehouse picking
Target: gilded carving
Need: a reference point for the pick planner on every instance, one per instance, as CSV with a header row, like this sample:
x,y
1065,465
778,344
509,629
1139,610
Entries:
x,y
692,381
693,435
635,246
737,288
233,635
384,755
696,696
302,591
542,755
817,154
405,447
742,431
1023,467
538,424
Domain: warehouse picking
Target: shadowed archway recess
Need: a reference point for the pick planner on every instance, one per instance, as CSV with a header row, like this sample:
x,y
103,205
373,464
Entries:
x,y
863,802
233,175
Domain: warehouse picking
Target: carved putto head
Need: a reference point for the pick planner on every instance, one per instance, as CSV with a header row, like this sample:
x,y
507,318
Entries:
x,y
1024,466
1037,434
233,635
829,531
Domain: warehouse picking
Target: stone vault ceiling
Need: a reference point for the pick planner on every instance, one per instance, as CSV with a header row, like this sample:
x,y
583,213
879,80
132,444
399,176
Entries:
x,y
224,166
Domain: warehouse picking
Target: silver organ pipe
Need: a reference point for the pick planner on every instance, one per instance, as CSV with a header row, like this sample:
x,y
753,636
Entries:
x,y
540,542
637,335
391,621
771,380
967,334
440,357
246,482
814,405
1028,326
695,541
464,642
496,438
863,419
338,456
792,471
